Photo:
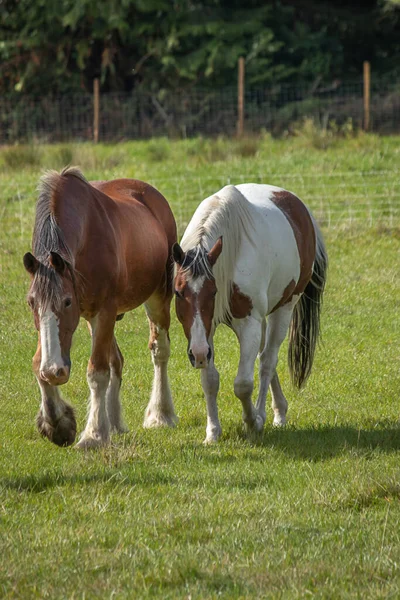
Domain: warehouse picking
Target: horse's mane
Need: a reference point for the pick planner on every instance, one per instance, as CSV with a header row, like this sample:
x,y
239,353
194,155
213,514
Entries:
x,y
48,237
227,214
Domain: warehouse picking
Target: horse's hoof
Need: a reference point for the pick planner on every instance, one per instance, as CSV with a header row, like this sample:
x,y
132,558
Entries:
x,y
212,436
257,425
63,432
152,420
211,440
91,443
119,429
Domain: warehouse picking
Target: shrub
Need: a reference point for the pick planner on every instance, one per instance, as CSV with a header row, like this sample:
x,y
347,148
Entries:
x,y
323,135
158,150
247,147
20,157
63,157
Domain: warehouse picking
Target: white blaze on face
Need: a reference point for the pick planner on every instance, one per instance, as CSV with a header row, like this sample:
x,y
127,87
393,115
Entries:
x,y
50,341
198,339
196,284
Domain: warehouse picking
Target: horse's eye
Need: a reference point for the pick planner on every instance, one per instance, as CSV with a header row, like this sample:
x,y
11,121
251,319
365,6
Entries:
x,y
67,302
178,294
30,302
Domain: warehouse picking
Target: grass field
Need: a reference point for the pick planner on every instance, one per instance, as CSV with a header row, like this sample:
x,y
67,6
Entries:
x,y
311,510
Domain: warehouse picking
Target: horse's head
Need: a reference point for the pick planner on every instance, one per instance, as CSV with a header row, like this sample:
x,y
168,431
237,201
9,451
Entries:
x,y
54,303
195,292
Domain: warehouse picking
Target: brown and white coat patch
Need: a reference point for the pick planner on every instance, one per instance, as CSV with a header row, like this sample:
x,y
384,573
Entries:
x,y
304,232
240,304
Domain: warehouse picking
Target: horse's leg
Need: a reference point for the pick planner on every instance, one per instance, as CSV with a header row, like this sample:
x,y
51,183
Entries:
x,y
249,332
55,419
160,409
278,324
97,430
210,384
113,401
279,403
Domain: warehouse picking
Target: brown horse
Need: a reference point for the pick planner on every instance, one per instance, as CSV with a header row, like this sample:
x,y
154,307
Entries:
x,y
100,249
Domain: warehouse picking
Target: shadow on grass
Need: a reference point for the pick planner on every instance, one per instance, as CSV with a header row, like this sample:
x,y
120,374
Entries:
x,y
38,483
321,443
310,444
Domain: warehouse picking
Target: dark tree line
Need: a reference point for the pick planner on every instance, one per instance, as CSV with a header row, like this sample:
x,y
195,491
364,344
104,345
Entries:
x,y
59,46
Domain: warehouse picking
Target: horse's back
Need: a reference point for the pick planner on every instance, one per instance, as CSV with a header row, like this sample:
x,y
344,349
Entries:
x,y
130,192
284,238
135,229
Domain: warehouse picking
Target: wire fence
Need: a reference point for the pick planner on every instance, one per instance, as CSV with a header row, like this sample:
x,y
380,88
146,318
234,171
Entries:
x,y
338,200
141,115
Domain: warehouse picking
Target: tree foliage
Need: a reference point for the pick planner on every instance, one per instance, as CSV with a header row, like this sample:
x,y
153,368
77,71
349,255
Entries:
x,y
59,46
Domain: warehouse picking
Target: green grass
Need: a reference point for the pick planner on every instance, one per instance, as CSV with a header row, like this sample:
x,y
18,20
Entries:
x,y
311,510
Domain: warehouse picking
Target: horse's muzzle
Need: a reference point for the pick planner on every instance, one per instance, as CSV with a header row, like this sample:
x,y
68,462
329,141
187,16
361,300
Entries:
x,y
199,361
56,375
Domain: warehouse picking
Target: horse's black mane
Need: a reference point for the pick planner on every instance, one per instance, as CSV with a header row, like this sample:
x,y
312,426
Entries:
x,y
196,263
48,237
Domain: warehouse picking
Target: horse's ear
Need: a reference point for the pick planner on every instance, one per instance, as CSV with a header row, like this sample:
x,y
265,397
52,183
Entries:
x,y
57,262
31,263
178,254
215,252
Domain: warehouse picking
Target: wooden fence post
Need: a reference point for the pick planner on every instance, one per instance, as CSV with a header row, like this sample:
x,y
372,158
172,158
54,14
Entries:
x,y
367,94
240,122
96,110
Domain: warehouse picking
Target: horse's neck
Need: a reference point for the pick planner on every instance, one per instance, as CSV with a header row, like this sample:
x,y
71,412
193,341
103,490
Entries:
x,y
72,214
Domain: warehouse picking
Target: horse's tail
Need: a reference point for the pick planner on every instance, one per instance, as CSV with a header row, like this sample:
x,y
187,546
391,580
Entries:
x,y
305,323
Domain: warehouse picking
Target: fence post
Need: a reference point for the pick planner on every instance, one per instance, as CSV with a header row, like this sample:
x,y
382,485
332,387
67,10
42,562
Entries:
x,y
240,122
367,94
96,110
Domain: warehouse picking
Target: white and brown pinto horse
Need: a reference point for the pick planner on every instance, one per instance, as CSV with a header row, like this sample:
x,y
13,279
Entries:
x,y
100,249
251,251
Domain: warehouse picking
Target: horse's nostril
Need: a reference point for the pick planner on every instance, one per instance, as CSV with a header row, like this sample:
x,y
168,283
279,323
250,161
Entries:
x,y
191,357
61,373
